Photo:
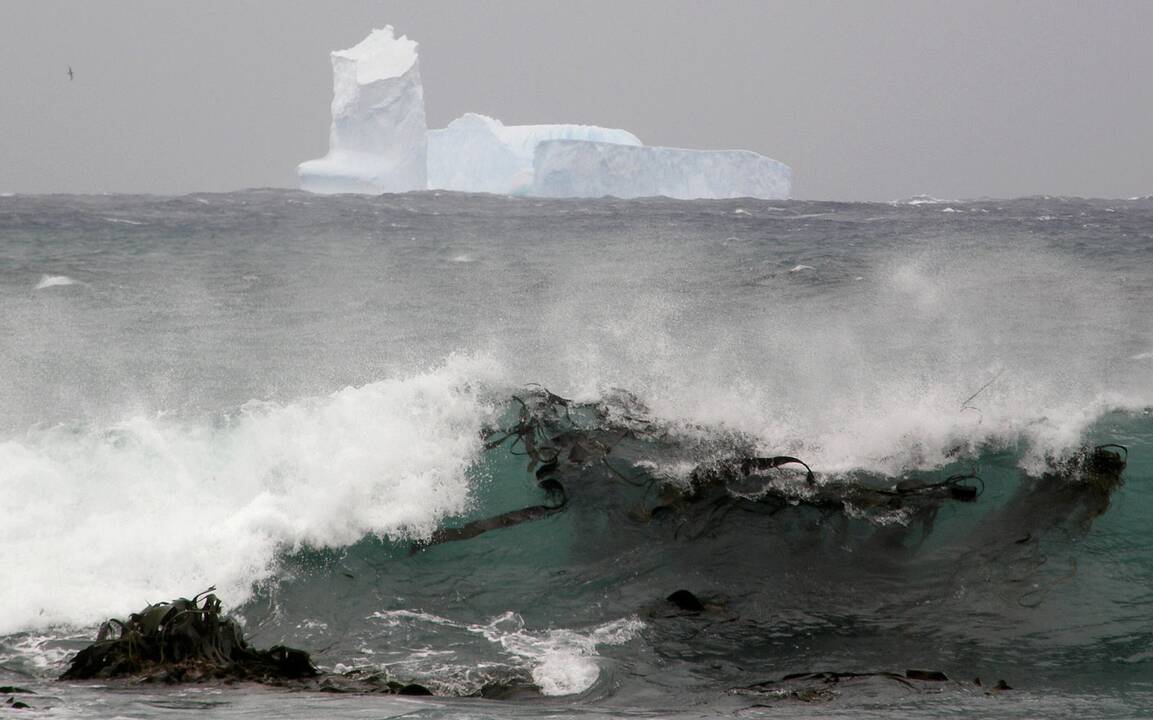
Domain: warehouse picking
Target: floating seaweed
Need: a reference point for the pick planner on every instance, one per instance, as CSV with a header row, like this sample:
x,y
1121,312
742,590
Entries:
x,y
1083,485
1063,501
563,440
12,691
824,686
684,483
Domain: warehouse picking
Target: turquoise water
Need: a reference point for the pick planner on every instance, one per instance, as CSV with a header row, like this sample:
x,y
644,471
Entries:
x,y
284,395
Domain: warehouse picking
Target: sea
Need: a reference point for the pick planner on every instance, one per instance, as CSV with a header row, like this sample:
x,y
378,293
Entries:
x,y
335,411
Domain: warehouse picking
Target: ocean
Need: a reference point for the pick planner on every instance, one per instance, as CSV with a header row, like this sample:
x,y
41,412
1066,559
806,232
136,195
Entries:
x,y
324,406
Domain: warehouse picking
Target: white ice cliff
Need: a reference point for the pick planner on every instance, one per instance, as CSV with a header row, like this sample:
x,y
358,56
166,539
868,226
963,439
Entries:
x,y
378,139
379,143
593,169
477,153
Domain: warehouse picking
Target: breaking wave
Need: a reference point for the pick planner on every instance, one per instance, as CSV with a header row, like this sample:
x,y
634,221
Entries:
x,y
151,506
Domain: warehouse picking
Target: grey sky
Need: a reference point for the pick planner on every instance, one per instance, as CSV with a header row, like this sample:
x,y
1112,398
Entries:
x,y
865,100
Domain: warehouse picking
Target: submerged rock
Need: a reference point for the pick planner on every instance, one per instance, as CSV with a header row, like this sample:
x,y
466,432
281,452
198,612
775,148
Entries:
x,y
191,641
685,600
184,641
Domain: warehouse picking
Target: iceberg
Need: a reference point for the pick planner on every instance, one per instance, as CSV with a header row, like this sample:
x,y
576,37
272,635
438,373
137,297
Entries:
x,y
477,153
378,140
564,168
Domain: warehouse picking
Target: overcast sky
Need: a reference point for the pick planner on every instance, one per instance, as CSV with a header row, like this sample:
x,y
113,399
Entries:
x,y
865,100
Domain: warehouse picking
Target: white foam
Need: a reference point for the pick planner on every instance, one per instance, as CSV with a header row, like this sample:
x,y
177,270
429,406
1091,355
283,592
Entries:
x,y
393,618
47,281
563,662
42,652
149,508
919,200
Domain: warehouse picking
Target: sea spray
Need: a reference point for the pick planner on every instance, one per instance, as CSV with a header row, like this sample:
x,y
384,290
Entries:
x,y
881,374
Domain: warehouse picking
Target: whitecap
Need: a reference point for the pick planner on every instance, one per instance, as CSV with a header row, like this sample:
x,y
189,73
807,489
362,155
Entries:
x,y
918,200
392,618
799,268
47,281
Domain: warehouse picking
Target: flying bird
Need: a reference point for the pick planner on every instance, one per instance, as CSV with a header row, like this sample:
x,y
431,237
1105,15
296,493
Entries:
x,y
69,72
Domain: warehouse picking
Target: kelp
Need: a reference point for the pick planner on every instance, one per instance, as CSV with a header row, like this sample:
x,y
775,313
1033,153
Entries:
x,y
1068,496
745,483
183,640
1059,504
12,691
826,685
687,482
563,440
1083,484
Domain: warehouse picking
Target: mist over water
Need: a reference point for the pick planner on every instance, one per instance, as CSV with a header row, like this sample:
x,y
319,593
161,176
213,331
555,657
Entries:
x,y
213,389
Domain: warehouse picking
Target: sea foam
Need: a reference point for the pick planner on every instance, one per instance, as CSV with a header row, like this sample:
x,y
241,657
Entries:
x,y
560,661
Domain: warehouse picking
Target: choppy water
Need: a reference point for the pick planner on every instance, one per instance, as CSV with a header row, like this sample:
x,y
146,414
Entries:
x,y
279,393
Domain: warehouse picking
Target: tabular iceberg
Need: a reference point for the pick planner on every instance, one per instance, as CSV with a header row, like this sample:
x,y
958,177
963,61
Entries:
x,y
593,169
477,153
378,138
